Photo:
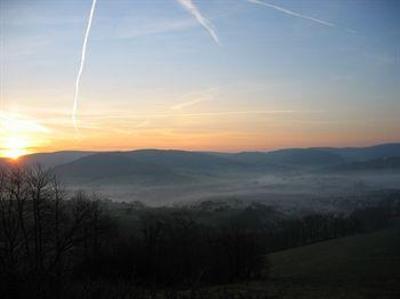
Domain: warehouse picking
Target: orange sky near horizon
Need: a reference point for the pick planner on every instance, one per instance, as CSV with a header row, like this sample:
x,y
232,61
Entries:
x,y
21,136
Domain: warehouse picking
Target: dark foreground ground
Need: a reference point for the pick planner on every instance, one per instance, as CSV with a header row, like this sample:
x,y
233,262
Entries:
x,y
54,245
360,266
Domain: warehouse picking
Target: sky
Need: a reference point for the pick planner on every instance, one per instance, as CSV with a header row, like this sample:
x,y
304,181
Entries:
x,y
220,75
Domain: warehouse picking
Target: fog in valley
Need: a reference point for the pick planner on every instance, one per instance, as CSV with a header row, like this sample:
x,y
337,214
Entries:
x,y
292,180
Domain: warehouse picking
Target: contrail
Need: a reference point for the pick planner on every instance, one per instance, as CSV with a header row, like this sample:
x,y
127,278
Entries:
x,y
195,12
82,63
291,13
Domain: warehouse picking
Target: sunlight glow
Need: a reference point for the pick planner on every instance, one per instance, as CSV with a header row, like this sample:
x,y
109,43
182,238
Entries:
x,y
18,135
15,147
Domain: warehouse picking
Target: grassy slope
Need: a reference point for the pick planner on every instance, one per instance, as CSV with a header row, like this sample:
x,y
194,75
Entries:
x,y
369,256
361,266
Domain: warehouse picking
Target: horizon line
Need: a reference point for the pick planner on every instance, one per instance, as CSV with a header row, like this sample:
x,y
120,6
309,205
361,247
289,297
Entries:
x,y
206,151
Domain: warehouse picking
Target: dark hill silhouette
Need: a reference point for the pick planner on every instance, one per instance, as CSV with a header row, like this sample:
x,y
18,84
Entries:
x,y
304,157
366,153
175,165
391,164
149,165
160,165
185,160
50,160
111,165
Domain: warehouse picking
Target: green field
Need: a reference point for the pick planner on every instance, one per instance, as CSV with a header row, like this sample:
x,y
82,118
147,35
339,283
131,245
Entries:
x,y
361,266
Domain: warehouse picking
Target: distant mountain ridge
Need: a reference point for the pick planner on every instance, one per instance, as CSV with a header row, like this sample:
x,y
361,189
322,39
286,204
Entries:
x,y
153,165
391,164
175,165
305,157
50,160
367,153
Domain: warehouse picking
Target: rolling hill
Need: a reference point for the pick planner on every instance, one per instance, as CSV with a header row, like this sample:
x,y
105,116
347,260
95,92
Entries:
x,y
389,164
348,267
174,165
353,267
304,157
356,154
149,165
113,166
50,160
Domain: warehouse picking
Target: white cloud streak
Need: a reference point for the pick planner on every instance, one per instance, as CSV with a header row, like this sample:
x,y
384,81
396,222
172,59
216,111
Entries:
x,y
82,64
204,22
141,27
180,106
292,13
195,98
13,124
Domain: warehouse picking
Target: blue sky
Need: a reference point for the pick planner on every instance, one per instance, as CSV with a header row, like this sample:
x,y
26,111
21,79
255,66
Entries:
x,y
155,76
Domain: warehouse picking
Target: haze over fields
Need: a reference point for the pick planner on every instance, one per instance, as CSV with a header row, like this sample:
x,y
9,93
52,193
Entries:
x,y
290,178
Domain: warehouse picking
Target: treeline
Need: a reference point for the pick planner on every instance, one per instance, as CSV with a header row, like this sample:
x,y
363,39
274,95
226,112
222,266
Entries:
x,y
43,234
171,250
321,227
49,240
278,232
55,245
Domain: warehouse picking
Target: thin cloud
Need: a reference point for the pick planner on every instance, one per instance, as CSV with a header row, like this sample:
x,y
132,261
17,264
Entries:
x,y
195,12
143,124
123,116
221,113
126,30
195,98
13,123
292,13
180,106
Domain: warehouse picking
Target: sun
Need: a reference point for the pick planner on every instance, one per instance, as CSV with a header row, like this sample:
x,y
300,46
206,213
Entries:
x,y
19,134
15,147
